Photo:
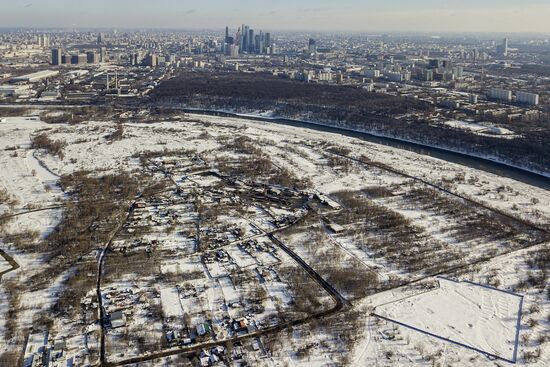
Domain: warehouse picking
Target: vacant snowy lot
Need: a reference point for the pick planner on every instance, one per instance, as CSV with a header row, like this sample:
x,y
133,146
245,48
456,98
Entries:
x,y
475,316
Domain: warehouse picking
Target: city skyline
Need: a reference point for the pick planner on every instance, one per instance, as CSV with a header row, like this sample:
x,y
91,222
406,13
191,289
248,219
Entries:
x,y
349,15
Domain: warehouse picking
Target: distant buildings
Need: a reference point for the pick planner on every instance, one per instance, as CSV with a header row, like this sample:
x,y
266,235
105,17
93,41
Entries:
x,y
13,90
246,41
397,76
312,46
79,59
325,76
44,41
136,58
531,99
369,73
232,51
505,95
90,57
500,94
427,75
56,56
502,49
151,60
36,77
103,54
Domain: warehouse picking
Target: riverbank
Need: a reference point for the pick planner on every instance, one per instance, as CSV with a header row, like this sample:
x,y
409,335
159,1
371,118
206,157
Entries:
x,y
469,159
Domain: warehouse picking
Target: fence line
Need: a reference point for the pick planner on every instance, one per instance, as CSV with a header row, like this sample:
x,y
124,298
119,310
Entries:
x,y
445,339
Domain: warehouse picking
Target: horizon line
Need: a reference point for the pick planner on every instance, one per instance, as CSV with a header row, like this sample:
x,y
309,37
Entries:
x,y
222,29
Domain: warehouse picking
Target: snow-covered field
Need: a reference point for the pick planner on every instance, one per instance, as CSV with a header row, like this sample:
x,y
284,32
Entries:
x,y
23,175
479,317
169,300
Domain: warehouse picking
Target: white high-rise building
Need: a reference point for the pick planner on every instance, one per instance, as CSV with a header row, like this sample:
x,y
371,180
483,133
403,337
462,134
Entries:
x,y
369,73
527,98
325,76
500,94
44,41
502,49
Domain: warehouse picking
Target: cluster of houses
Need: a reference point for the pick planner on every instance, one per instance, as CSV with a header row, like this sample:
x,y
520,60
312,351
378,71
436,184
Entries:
x,y
187,336
220,256
120,303
219,356
267,274
156,215
215,239
183,324
43,351
252,245
212,357
139,243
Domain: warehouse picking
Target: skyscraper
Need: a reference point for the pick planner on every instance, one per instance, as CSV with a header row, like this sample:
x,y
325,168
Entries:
x,y
258,43
103,54
151,60
246,38
56,56
99,39
312,46
251,40
241,37
248,41
44,40
92,57
502,49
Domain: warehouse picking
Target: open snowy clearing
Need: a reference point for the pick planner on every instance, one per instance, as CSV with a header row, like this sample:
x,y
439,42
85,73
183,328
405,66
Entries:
x,y
23,174
170,302
476,316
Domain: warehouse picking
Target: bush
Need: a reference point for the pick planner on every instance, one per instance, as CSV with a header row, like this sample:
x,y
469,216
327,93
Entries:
x,y
6,198
42,141
118,134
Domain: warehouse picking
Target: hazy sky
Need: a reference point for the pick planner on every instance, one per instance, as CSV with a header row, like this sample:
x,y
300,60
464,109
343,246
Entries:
x,y
361,15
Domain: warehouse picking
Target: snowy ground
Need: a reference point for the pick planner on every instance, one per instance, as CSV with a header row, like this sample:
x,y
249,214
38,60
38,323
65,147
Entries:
x,y
478,317
169,300
23,175
4,265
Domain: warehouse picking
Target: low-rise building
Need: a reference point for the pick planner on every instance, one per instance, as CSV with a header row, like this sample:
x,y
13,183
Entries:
x,y
35,77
